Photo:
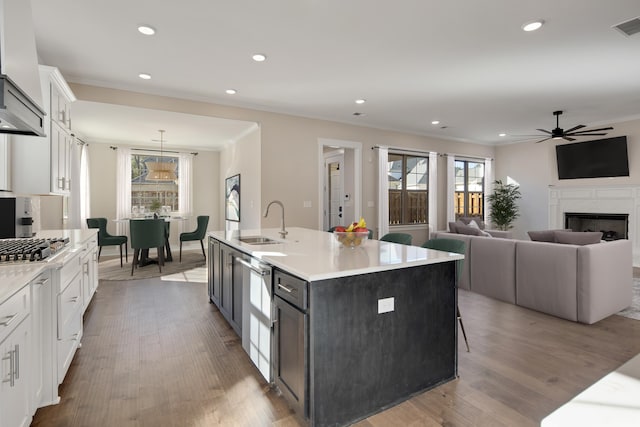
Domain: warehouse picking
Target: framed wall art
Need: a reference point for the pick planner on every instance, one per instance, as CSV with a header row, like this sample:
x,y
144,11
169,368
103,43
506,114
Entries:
x,y
232,198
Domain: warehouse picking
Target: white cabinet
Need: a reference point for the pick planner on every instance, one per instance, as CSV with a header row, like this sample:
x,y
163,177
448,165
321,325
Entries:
x,y
89,266
15,329
41,389
69,315
43,165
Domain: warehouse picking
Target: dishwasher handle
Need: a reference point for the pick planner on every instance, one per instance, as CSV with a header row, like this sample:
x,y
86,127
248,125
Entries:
x,y
261,271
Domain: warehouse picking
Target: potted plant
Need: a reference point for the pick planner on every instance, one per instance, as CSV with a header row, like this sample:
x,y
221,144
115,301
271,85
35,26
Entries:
x,y
503,204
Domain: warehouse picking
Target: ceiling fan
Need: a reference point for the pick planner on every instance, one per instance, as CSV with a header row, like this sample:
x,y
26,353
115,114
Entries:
x,y
559,133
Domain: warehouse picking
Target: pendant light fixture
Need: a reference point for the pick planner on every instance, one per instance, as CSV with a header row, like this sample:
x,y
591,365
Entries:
x,y
161,170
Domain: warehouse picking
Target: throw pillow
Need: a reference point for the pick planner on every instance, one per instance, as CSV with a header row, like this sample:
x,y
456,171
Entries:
x,y
466,220
545,235
465,229
571,238
453,227
542,236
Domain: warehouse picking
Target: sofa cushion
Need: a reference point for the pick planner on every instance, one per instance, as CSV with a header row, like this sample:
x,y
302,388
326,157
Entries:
x,y
493,268
463,282
584,238
470,231
542,236
453,227
605,279
474,224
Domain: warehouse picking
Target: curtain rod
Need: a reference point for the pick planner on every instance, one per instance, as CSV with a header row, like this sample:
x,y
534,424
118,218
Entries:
x,y
195,153
402,149
466,156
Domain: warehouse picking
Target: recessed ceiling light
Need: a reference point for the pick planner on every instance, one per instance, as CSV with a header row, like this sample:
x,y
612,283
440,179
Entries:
x,y
360,101
144,76
231,91
502,134
533,25
259,57
5,127
146,30
435,122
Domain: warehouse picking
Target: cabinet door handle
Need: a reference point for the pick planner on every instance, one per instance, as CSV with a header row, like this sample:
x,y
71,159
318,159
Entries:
x,y
10,358
41,282
285,288
74,299
8,320
16,363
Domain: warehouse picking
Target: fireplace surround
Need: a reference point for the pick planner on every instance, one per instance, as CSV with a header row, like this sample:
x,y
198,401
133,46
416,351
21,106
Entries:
x,y
598,200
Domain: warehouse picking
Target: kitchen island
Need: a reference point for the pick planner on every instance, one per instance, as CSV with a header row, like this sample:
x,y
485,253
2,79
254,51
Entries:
x,y
342,332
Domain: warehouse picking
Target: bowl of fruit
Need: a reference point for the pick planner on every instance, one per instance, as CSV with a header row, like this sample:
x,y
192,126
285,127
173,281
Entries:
x,y
352,236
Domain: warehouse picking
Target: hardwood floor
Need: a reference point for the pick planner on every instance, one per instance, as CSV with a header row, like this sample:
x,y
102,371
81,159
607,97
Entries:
x,y
155,353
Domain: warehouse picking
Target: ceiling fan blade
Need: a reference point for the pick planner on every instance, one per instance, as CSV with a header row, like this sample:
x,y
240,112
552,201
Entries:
x,y
574,129
545,131
591,130
542,140
587,134
568,138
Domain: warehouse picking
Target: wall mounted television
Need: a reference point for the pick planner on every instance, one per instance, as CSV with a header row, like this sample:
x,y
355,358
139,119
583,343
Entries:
x,y
602,158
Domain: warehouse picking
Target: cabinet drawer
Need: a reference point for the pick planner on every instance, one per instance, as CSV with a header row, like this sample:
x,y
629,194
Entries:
x,y
13,310
69,301
291,289
70,269
66,347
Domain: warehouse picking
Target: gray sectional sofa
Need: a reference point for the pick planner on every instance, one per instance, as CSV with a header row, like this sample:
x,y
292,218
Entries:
x,y
580,283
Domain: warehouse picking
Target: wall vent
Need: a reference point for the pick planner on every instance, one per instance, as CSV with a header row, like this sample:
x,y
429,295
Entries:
x,y
629,28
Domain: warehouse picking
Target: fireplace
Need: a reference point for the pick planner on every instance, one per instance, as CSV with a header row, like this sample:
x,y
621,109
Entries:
x,y
612,226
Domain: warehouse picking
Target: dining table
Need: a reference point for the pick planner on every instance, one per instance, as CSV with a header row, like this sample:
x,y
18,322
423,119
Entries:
x,y
144,253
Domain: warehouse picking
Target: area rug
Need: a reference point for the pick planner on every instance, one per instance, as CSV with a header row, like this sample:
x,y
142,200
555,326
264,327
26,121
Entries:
x,y
109,268
633,312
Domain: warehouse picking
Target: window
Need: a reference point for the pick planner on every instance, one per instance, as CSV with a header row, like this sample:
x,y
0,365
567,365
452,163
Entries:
x,y
153,194
408,189
469,188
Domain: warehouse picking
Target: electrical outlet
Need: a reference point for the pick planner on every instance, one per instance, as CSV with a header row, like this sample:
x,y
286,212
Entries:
x,y
386,305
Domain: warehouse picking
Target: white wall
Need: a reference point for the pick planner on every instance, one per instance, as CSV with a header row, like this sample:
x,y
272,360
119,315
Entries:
x,y
534,167
242,157
289,153
206,187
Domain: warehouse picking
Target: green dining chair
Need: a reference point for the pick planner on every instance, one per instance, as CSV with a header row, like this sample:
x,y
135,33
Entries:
x,y
147,234
458,247
106,239
198,234
402,238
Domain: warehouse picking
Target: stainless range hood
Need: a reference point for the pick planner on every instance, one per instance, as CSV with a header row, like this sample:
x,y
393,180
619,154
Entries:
x,y
20,93
18,113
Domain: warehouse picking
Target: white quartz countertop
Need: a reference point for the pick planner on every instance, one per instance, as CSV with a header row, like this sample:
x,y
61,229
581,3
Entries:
x,y
14,276
316,255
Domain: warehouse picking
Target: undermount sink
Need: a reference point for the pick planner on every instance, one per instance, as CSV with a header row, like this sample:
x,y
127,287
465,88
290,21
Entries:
x,y
257,240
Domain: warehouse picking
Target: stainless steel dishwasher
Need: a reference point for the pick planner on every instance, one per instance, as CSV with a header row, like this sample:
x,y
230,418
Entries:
x,y
290,340
256,313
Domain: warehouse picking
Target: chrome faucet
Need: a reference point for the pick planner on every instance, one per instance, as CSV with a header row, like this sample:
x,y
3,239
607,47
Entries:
x,y
283,232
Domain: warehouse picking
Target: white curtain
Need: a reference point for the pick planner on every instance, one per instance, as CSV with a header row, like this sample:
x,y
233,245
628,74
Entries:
x,y
433,191
185,191
451,187
488,187
123,189
85,188
383,191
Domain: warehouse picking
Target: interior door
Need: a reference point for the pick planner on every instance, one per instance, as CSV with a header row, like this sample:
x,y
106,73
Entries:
x,y
334,188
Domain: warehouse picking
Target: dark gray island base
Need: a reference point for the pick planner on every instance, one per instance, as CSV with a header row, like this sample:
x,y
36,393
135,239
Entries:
x,y
351,361
341,333
361,362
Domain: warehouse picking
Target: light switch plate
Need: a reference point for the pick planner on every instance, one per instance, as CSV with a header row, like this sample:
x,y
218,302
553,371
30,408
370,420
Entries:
x,y
306,203
385,305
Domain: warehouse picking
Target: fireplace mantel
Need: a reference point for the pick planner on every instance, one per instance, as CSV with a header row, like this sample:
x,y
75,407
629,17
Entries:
x,y
598,199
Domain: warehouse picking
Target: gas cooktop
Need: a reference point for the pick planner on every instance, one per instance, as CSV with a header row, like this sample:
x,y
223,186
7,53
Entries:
x,y
30,249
